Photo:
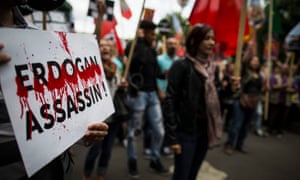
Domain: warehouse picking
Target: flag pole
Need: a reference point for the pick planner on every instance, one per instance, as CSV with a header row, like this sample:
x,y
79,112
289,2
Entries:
x,y
291,70
164,48
133,44
44,20
268,72
237,70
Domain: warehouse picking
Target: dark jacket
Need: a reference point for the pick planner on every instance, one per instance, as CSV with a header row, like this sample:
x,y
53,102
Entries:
x,y
184,108
143,69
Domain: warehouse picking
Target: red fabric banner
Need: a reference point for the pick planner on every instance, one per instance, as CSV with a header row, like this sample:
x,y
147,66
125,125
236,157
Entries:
x,y
224,17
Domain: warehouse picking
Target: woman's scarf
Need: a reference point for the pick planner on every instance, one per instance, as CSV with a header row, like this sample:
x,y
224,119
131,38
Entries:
x,y
213,110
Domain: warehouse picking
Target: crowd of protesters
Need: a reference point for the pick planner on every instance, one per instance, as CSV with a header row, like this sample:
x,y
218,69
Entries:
x,y
180,106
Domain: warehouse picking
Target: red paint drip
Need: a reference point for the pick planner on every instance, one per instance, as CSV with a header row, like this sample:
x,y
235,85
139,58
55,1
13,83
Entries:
x,y
39,91
23,95
56,86
72,82
63,38
90,74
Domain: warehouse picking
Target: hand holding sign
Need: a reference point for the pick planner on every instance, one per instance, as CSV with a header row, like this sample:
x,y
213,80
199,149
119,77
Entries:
x,y
95,133
3,57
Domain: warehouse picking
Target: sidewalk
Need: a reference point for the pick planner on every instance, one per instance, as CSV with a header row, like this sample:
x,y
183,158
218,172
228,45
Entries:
x,y
270,158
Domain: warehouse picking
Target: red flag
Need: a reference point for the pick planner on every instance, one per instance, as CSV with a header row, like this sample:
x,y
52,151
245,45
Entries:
x,y
107,27
224,17
204,11
125,10
118,43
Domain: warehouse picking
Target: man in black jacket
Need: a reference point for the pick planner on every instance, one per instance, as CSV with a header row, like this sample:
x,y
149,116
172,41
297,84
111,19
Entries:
x,y
143,99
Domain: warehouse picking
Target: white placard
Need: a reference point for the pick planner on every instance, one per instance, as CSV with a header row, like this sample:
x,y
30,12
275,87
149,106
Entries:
x,y
54,26
54,86
57,16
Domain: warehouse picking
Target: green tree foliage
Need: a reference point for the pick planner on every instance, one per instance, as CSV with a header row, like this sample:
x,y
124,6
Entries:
x,y
285,16
183,22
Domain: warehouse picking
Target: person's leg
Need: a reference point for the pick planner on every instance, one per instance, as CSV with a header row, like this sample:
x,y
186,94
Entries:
x,y
91,157
276,117
273,114
154,118
199,156
244,130
137,105
237,119
285,110
227,115
108,143
165,149
147,138
121,133
183,162
258,119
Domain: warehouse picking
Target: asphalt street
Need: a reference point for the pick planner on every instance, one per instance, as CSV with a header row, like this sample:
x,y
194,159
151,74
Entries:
x,y
270,158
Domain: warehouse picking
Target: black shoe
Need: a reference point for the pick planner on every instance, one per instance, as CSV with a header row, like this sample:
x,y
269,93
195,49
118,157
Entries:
x,y
158,167
133,171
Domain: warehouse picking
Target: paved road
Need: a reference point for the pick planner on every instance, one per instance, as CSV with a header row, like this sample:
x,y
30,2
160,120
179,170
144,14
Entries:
x,y
270,158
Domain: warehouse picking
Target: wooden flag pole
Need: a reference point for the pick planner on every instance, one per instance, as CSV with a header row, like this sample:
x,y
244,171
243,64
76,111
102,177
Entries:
x,y
44,20
133,44
290,78
164,42
291,69
237,70
268,72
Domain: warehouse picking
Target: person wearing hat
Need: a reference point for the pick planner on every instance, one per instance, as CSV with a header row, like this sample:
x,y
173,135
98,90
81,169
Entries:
x,y
11,165
143,98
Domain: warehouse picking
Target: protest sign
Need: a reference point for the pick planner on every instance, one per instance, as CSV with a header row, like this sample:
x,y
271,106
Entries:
x,y
54,86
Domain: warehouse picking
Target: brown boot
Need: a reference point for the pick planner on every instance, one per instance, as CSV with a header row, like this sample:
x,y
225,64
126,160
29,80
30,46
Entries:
x,y
86,178
228,150
100,177
242,150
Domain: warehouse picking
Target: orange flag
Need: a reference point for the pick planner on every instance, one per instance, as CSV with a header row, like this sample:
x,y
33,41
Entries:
x,y
148,14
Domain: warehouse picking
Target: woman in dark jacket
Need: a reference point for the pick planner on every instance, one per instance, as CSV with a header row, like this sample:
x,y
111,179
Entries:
x,y
192,110
245,102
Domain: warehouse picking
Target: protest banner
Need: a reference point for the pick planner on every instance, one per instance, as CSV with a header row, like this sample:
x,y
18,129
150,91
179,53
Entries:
x,y
53,87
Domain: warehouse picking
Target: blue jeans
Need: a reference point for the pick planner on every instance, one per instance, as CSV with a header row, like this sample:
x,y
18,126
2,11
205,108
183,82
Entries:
x,y
258,116
105,147
194,147
239,127
145,103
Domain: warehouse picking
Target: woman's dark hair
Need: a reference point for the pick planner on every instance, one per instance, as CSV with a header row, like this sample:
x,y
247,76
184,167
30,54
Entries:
x,y
250,61
195,37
